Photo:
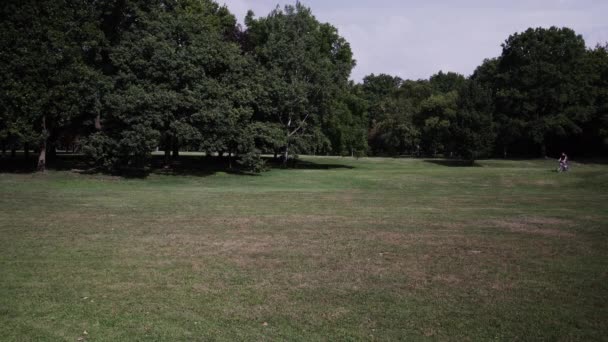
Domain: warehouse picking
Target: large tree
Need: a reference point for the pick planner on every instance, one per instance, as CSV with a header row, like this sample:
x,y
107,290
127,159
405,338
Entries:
x,y
346,124
305,65
471,131
434,119
47,85
393,130
376,89
543,87
179,78
596,129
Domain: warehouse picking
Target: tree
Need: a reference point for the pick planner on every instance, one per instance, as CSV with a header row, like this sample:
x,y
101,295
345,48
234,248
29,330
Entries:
x,y
178,79
47,87
394,132
434,119
305,65
596,129
446,82
471,130
376,89
542,86
345,126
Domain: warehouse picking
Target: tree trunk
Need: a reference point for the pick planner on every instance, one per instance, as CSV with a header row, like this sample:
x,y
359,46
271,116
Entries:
x,y
543,150
504,151
175,149
276,155
26,151
3,150
98,122
42,156
13,152
167,148
286,155
51,152
167,161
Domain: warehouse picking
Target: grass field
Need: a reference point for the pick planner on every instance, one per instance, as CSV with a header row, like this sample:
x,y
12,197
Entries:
x,y
374,249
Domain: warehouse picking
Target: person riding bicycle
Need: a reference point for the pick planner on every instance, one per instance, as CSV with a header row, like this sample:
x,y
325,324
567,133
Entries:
x,y
563,162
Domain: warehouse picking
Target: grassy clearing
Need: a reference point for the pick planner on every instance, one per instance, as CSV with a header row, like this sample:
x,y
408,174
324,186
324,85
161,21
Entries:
x,y
374,249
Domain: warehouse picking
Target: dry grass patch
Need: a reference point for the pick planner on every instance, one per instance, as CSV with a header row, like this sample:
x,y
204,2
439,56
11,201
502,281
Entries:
x,y
536,225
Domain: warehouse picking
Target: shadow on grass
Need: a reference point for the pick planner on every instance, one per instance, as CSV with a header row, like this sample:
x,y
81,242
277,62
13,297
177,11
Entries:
x,y
16,165
588,161
452,162
61,162
185,165
308,165
197,166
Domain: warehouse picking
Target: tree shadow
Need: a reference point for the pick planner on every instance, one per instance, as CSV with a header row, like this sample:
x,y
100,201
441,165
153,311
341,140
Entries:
x,y
591,161
17,165
60,162
299,164
452,162
184,165
196,166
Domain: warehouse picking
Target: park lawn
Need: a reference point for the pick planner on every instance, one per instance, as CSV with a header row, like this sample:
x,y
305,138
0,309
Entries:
x,y
342,249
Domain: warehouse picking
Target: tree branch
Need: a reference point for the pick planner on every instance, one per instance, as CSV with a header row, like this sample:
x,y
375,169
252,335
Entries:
x,y
299,126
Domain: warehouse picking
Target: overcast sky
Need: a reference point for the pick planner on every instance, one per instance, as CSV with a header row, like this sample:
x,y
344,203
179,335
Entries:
x,y
415,39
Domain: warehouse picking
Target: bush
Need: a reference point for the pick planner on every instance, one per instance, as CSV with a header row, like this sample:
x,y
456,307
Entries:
x,y
252,162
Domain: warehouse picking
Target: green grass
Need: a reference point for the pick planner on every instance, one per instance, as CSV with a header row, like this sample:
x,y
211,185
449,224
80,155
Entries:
x,y
374,249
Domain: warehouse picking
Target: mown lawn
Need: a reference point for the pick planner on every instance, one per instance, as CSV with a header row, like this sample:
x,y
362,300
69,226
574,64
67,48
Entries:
x,y
374,249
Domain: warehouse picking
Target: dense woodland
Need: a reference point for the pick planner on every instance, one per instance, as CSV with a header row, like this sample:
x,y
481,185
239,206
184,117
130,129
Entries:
x,y
116,80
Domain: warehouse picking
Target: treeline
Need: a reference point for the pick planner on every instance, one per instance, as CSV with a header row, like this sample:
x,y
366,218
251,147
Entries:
x,y
546,93
119,79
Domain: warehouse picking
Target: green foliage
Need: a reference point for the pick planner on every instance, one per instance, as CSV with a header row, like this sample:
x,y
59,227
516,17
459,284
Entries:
x,y
346,124
376,88
471,130
305,66
597,127
120,79
177,81
434,119
266,136
393,131
252,162
543,86
47,88
446,82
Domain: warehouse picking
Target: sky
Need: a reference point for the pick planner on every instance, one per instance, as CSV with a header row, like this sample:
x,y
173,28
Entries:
x,y
416,39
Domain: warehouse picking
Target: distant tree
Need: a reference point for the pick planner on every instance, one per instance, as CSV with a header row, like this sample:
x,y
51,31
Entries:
x,y
393,132
486,73
596,129
376,89
416,91
434,108
542,87
434,119
446,82
346,124
508,128
471,130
